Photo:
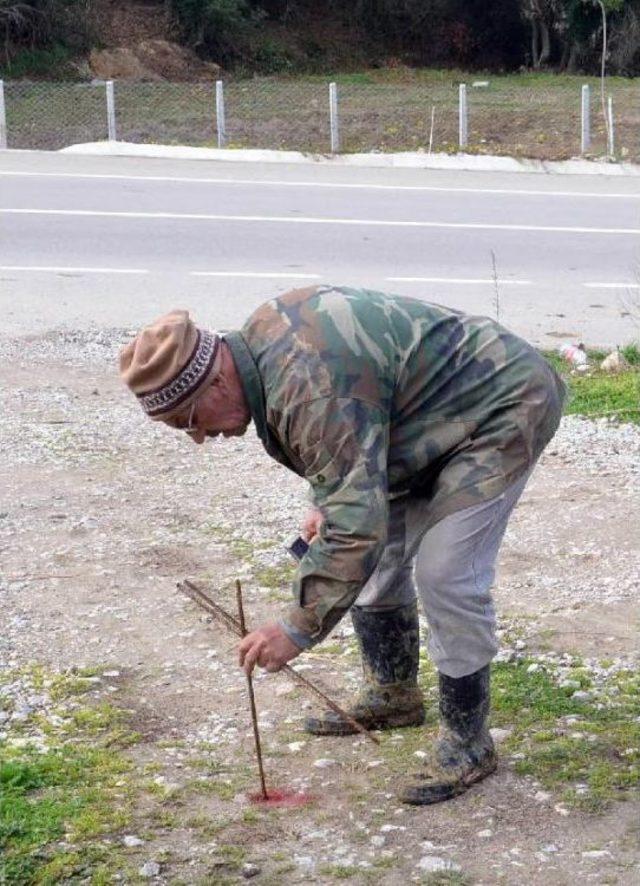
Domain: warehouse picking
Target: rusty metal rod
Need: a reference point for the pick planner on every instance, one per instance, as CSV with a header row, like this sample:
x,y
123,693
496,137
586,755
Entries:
x,y
198,596
252,699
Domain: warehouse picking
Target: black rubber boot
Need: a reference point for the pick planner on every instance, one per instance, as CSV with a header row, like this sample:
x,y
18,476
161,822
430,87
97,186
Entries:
x,y
390,644
463,752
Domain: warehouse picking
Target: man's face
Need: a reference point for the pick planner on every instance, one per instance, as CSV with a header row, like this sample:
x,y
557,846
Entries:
x,y
214,412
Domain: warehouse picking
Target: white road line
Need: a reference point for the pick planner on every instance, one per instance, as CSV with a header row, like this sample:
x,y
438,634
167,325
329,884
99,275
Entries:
x,y
612,285
308,184
317,220
67,270
267,275
461,280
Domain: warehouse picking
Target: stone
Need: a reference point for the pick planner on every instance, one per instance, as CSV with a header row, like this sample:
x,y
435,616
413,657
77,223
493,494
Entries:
x,y
131,840
149,869
595,854
499,735
581,696
487,832
433,863
250,870
542,796
324,763
378,841
614,362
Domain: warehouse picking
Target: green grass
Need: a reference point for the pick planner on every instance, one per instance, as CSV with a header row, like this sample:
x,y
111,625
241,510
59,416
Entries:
x,y
601,750
596,393
57,802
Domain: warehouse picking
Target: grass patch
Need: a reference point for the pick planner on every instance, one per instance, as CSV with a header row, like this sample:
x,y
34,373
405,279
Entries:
x,y
588,751
61,788
600,750
597,392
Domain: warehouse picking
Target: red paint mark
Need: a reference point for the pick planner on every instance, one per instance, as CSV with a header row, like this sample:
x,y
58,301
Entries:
x,y
282,798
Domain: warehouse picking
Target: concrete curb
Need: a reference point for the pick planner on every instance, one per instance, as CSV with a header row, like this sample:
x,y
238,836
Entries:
x,y
406,160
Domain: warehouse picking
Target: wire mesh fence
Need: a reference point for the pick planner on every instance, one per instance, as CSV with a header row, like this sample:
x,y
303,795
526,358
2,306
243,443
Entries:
x,y
500,116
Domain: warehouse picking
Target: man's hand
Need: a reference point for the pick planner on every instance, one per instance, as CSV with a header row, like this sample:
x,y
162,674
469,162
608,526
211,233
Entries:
x,y
311,524
268,647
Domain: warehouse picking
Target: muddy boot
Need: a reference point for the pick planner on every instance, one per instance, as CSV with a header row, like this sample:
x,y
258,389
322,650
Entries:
x,y
463,753
389,643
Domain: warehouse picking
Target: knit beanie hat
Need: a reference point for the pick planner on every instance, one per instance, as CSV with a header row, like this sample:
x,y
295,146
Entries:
x,y
169,363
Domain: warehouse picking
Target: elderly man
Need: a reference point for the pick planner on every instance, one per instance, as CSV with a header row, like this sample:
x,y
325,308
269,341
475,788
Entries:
x,y
417,428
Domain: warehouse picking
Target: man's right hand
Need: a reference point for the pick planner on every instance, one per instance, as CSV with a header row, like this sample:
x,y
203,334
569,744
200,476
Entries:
x,y
311,524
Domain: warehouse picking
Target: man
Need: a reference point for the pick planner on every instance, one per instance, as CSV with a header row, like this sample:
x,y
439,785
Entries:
x,y
417,428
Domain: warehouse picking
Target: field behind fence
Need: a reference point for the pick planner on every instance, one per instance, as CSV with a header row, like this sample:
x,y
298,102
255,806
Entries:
x,y
520,116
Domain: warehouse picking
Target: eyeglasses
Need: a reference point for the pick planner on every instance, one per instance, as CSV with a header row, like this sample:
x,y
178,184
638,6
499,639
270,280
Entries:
x,y
190,427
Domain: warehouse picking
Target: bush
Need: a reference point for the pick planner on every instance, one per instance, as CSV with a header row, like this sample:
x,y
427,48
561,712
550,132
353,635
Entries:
x,y
218,28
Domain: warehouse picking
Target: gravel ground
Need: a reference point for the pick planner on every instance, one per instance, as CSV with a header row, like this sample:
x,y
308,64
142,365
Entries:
x,y
102,512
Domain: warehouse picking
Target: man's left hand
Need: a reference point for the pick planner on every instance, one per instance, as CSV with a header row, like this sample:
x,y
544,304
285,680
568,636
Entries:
x,y
268,647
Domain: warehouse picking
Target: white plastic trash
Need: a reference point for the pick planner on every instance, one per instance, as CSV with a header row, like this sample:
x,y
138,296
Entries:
x,y
575,355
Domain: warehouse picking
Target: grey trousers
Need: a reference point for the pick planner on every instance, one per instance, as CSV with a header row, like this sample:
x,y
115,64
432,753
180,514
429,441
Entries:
x,y
452,564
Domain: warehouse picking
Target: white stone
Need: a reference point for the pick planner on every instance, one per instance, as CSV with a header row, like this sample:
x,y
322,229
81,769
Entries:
x,y
542,796
499,735
149,869
378,841
432,863
487,832
595,854
130,840
296,746
324,763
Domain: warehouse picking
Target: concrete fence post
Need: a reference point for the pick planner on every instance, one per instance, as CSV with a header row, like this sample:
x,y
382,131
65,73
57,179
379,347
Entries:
x,y
112,134
585,136
221,125
3,118
462,116
333,118
611,142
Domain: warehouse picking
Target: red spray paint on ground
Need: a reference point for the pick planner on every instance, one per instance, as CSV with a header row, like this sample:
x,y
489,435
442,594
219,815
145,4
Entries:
x,y
285,797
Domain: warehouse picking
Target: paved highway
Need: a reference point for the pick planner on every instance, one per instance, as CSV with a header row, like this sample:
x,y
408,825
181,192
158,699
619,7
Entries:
x,y
115,241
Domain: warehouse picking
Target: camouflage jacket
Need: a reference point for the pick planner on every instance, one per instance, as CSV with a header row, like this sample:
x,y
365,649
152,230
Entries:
x,y
368,396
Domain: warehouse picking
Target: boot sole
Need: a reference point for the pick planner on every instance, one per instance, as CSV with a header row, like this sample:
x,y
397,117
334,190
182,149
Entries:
x,y
426,795
339,728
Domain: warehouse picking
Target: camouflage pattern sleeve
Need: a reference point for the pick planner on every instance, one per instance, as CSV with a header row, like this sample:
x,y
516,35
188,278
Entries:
x,y
342,443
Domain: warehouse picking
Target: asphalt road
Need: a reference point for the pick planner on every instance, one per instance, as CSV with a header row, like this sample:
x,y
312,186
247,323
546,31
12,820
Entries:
x,y
115,241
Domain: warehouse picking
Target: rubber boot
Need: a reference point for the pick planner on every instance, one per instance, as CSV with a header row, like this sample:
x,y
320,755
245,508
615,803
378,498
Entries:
x,y
463,752
389,644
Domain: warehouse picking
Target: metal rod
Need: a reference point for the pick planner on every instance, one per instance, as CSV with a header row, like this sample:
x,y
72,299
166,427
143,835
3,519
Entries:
x,y
252,699
198,596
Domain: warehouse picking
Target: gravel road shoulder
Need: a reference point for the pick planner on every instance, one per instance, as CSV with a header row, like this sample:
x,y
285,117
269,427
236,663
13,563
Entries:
x,y
102,513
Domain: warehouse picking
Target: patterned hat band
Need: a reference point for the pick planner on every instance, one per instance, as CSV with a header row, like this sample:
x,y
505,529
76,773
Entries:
x,y
187,381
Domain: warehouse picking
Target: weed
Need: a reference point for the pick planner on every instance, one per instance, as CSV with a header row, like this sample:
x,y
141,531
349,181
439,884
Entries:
x,y
66,787
598,392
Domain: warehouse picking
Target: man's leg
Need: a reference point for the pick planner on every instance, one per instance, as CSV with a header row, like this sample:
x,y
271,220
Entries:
x,y
385,618
455,569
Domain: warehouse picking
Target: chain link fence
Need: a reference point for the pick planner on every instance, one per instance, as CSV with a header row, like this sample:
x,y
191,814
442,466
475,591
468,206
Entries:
x,y
499,116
